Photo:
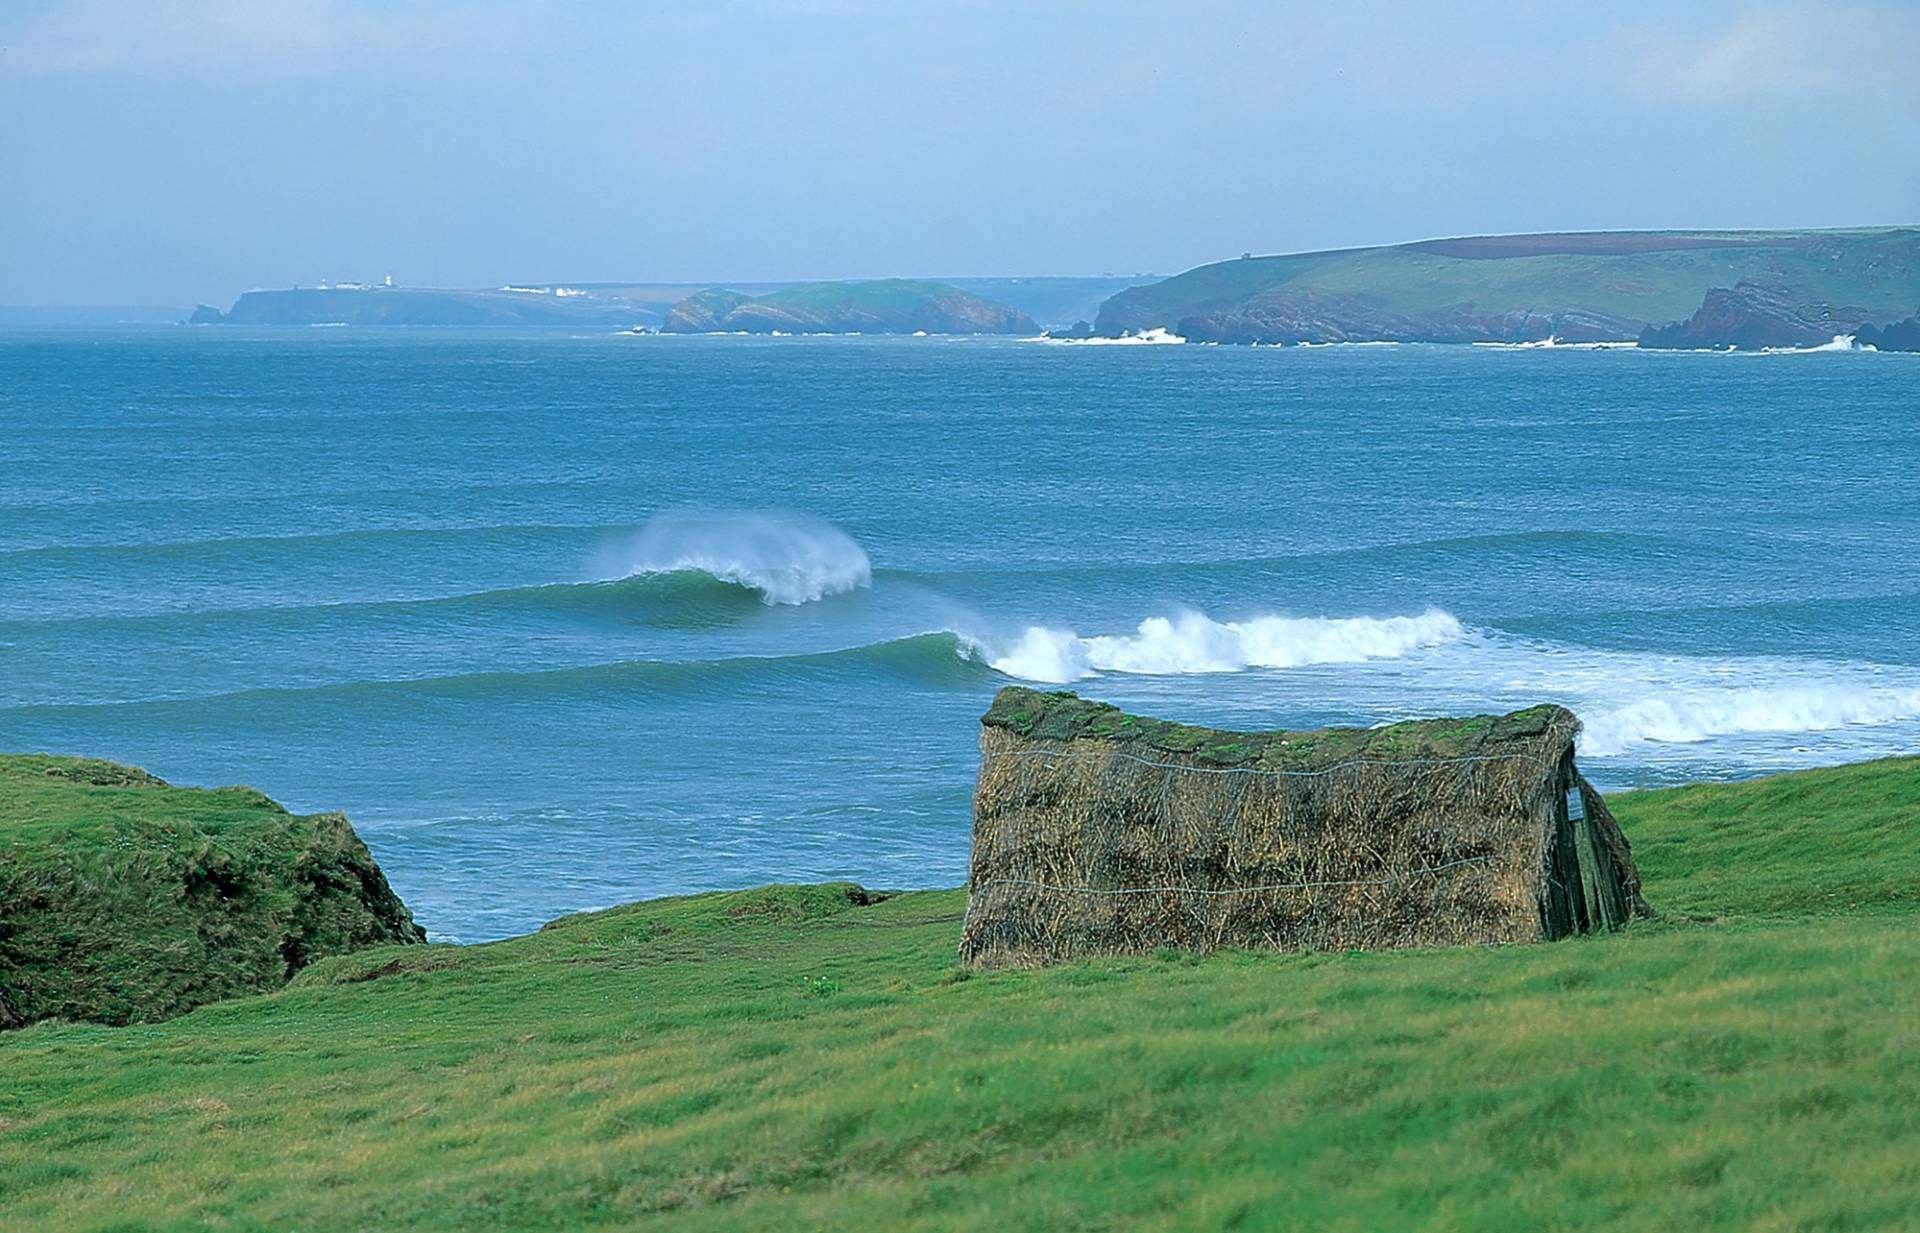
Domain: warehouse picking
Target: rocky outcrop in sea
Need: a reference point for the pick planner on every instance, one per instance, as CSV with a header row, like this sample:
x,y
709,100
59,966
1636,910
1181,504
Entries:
x,y
1752,316
1893,336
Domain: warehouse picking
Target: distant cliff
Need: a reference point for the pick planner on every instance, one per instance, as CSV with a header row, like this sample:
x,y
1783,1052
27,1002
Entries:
x,y
421,307
884,306
704,311
1595,286
621,305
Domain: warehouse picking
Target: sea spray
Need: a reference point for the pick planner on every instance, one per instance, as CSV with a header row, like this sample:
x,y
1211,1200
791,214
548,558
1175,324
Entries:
x,y
787,558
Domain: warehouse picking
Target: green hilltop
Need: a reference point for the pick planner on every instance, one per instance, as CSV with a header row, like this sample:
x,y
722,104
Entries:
x,y
1593,285
806,1057
882,306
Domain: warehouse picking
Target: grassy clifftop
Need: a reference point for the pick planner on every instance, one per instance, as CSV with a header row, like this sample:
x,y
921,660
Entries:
x,y
124,899
807,1057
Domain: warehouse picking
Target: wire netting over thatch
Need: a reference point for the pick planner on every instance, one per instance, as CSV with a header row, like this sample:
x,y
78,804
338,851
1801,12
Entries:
x,y
1097,832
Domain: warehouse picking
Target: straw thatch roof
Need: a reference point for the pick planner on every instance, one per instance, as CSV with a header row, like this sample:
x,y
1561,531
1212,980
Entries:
x,y
1098,832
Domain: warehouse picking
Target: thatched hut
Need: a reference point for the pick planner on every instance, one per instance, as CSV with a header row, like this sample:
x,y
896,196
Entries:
x,y
1097,832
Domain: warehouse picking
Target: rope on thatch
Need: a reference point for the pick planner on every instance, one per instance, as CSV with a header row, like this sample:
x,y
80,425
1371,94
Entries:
x,y
1232,890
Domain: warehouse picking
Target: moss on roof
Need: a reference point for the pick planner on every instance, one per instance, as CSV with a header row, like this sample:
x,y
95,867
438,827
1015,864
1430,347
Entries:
x,y
1065,716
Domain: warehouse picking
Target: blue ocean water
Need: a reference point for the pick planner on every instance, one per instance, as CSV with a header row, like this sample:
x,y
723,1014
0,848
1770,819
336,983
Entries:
x,y
562,622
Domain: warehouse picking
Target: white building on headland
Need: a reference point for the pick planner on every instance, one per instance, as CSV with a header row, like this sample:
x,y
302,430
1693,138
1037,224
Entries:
x,y
324,285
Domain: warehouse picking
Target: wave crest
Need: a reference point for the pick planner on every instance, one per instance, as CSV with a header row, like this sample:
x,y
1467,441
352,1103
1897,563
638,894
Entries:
x,y
1193,643
786,558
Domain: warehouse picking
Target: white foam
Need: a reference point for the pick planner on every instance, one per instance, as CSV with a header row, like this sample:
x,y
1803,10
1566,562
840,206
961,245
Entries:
x,y
1691,715
1673,708
1155,337
788,558
1195,643
1841,342
1557,345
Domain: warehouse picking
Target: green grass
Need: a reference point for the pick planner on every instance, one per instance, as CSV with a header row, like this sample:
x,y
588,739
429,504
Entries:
x,y
791,1058
1837,842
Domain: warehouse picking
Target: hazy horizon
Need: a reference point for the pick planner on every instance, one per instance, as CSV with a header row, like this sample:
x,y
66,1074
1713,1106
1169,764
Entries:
x,y
171,153
745,283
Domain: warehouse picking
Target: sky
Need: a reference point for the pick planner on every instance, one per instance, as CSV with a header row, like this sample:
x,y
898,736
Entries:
x,y
167,152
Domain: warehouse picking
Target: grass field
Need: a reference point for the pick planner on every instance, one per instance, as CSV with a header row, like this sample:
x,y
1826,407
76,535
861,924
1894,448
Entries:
x,y
791,1058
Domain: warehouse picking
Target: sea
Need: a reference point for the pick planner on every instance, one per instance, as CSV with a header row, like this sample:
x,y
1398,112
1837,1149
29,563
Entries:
x,y
562,622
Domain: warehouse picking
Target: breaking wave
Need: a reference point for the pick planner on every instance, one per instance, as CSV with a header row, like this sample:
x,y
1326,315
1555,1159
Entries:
x,y
1193,642
786,558
1157,336
1691,716
1841,342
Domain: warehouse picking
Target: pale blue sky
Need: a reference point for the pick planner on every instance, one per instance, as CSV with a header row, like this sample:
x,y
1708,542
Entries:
x,y
167,152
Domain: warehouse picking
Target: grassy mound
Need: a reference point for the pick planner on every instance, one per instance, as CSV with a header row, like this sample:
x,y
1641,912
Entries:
x,y
126,900
809,1057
